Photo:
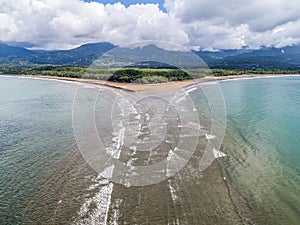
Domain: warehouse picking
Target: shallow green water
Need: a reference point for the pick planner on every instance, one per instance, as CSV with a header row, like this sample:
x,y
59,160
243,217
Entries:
x,y
263,146
35,136
44,180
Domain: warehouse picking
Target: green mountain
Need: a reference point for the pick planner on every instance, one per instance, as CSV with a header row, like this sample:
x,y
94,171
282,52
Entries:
x,y
81,56
7,51
287,58
243,59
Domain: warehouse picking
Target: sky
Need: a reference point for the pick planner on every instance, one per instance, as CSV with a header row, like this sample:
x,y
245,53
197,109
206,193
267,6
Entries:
x,y
131,2
195,24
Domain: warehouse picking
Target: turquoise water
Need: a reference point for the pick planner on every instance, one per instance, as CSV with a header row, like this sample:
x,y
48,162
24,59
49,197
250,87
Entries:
x,y
43,178
263,146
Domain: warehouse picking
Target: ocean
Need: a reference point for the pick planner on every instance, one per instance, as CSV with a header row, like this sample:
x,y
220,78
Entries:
x,y
263,146
46,177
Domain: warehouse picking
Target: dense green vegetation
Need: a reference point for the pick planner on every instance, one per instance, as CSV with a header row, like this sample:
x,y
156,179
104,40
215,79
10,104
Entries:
x,y
126,75
224,72
131,75
59,71
145,76
265,58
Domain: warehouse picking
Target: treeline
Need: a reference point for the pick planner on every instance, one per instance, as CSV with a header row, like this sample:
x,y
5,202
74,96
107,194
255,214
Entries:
x,y
224,72
145,76
125,75
59,71
131,75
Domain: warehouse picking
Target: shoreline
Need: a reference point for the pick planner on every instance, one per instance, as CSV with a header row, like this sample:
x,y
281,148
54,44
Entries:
x,y
212,176
160,87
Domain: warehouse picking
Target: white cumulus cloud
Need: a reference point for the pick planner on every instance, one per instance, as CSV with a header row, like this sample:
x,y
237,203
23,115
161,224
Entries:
x,y
206,24
237,23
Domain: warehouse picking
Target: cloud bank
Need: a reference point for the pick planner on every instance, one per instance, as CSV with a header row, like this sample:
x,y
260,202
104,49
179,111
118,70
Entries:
x,y
205,24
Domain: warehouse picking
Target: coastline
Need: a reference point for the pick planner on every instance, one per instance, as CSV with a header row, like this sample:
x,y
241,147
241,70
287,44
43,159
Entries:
x,y
160,87
213,190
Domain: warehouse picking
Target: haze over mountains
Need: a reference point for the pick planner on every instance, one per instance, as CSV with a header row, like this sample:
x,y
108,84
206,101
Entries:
x,y
264,58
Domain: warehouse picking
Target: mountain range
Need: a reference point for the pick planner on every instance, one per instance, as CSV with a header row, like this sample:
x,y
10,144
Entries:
x,y
267,58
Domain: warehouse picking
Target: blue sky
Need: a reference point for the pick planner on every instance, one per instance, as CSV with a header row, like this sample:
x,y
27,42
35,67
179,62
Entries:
x,y
130,2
